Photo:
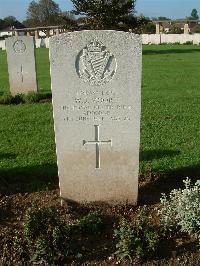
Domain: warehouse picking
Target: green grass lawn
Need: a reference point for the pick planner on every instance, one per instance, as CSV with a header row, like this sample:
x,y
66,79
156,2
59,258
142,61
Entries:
x,y
170,126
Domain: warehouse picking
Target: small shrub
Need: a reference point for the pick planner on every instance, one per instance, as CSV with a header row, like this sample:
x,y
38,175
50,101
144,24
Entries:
x,y
48,236
181,210
45,96
91,224
137,240
188,43
6,98
31,97
18,98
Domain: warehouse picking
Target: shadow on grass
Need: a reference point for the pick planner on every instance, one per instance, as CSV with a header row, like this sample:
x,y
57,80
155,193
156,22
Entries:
x,y
6,156
28,179
153,184
170,51
157,154
45,177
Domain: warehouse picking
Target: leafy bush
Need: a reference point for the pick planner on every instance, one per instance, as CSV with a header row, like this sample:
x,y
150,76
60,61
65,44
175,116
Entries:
x,y
91,224
138,240
48,236
181,210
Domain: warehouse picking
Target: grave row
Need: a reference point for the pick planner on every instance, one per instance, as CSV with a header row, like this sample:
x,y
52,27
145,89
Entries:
x,y
96,88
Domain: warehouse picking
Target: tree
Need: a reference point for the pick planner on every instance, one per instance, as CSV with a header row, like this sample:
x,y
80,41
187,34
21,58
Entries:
x,y
68,20
149,28
43,13
196,29
10,21
194,14
163,18
105,14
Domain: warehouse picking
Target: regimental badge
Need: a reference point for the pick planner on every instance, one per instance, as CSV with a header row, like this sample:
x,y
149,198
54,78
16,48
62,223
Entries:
x,y
95,64
19,47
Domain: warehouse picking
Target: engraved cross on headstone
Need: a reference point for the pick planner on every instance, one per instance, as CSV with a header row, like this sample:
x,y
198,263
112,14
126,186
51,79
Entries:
x,y
21,72
97,142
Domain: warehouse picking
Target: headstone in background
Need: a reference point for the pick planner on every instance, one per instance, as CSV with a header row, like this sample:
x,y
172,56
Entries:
x,y
96,86
21,64
38,43
43,43
3,45
47,42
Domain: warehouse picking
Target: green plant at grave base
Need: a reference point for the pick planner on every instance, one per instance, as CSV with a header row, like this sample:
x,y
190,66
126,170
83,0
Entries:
x,y
181,210
6,98
91,224
18,98
188,43
47,234
137,240
31,97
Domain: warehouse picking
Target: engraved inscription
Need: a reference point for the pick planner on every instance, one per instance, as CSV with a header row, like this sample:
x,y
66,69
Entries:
x,y
97,106
97,143
19,47
95,64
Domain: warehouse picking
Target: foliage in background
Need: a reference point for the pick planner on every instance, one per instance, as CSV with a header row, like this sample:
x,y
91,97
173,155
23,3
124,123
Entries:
x,y
10,21
194,14
175,30
181,210
136,240
105,14
149,28
196,29
43,13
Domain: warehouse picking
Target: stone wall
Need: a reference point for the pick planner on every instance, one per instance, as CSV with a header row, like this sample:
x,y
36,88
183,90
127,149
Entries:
x,y
170,38
146,39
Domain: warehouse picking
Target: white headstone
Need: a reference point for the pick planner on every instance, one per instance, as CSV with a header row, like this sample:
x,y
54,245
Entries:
x,y
38,43
47,42
21,64
3,45
96,86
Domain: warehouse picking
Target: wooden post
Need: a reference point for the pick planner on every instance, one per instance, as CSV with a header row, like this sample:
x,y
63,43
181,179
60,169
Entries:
x,y
186,29
158,28
36,34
